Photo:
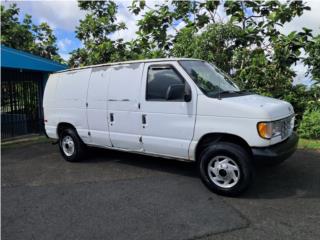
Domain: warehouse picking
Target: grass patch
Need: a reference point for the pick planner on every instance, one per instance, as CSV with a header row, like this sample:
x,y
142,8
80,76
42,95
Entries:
x,y
309,144
23,142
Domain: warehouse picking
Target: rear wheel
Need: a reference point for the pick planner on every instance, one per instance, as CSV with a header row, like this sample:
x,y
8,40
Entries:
x,y
226,168
71,146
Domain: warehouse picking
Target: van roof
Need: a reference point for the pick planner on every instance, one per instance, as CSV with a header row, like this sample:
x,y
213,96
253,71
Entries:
x,y
128,62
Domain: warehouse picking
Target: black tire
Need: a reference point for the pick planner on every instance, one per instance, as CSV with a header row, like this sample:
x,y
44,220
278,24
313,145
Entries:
x,y
239,156
79,147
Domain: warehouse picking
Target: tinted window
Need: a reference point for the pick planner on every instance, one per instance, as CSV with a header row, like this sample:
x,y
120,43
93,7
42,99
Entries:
x,y
159,79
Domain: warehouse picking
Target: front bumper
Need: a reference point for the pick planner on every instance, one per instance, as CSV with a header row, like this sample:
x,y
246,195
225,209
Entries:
x,y
276,153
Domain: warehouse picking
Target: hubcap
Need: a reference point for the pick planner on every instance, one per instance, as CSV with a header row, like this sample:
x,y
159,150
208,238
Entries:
x,y
68,146
223,171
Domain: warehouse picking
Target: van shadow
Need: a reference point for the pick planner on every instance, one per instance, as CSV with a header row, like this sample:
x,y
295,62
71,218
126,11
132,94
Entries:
x,y
298,177
98,155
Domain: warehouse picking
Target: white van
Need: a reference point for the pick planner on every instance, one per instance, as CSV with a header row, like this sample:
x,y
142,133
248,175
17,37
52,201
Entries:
x,y
183,109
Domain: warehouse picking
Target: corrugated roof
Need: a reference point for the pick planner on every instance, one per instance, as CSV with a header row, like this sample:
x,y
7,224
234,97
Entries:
x,y
12,58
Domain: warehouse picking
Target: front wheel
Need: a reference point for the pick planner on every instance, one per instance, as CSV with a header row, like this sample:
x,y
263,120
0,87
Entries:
x,y
226,168
71,146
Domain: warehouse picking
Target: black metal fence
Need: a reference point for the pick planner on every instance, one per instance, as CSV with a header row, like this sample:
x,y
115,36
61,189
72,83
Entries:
x,y
21,100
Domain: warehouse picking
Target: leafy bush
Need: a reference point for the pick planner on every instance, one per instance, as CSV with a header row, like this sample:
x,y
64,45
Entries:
x,y
303,99
310,124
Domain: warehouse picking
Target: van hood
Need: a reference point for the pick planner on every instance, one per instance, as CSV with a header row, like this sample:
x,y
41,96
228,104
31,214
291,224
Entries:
x,y
275,108
249,106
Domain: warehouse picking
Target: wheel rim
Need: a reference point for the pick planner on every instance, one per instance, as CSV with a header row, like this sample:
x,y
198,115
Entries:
x,y
223,171
68,146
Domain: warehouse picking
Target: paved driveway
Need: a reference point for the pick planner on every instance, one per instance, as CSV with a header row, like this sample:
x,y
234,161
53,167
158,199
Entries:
x,y
114,195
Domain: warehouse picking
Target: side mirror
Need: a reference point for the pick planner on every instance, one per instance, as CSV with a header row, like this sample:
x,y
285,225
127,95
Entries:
x,y
187,97
177,92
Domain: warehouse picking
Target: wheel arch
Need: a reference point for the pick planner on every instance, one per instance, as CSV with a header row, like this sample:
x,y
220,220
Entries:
x,y
210,138
64,125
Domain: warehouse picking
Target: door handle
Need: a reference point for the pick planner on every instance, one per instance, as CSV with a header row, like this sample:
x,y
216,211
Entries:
x,y
144,119
111,117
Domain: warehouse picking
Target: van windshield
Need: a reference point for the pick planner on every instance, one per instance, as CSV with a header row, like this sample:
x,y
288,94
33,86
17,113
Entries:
x,y
210,79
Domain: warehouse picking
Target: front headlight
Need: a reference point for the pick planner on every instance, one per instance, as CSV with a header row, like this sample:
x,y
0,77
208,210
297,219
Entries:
x,y
282,127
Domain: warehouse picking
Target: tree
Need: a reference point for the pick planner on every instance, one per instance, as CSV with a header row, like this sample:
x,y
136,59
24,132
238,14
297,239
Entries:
x,y
95,31
13,33
216,44
45,42
153,27
313,59
26,36
264,65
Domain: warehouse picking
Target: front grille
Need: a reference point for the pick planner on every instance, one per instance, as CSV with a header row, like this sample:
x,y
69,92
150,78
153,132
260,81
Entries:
x,y
286,127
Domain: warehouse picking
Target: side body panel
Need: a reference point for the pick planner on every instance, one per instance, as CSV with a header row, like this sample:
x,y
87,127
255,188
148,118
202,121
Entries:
x,y
97,107
219,116
123,106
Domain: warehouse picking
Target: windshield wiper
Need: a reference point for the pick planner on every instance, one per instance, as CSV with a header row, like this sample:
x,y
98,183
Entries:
x,y
218,94
227,91
242,91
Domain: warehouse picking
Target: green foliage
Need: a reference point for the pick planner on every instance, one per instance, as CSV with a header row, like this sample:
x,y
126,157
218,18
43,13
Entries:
x,y
303,99
45,42
155,22
310,125
313,60
13,33
94,31
216,44
26,36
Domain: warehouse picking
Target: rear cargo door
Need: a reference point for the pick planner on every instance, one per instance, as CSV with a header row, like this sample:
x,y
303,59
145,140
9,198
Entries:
x,y
71,96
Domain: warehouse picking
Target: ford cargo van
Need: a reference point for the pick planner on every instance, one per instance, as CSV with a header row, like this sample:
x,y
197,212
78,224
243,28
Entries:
x,y
183,109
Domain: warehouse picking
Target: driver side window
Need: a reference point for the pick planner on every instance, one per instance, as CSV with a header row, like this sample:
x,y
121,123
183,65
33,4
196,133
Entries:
x,y
160,79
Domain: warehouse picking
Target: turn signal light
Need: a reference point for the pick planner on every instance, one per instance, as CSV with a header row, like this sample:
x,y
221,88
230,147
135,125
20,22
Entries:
x,y
265,129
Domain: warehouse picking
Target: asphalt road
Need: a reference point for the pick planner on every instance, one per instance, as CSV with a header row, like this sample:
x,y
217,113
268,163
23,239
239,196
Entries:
x,y
114,195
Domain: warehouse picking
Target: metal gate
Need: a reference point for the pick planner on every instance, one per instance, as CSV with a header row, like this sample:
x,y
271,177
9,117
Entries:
x,y
21,97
